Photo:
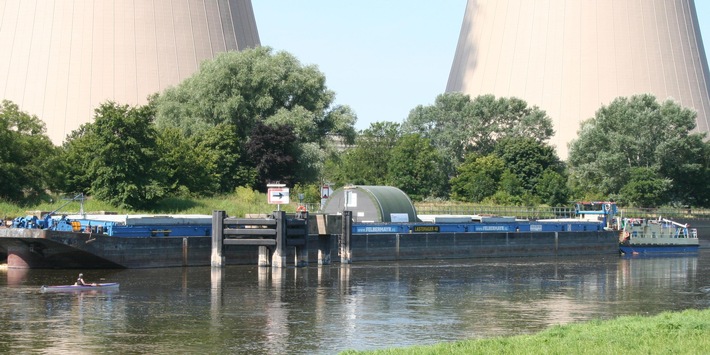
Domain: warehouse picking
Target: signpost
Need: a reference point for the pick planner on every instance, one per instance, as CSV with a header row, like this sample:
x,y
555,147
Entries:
x,y
278,194
325,192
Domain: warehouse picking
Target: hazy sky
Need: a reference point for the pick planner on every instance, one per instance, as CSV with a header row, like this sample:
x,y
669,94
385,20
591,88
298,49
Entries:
x,y
406,46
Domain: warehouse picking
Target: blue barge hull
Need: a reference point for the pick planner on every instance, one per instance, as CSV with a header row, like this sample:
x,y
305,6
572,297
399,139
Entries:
x,y
56,249
182,240
658,249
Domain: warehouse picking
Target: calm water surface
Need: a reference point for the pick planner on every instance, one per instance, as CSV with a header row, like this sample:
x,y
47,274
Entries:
x,y
324,310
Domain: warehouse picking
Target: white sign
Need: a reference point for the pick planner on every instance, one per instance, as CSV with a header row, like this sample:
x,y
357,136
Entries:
x,y
350,198
399,217
278,195
325,191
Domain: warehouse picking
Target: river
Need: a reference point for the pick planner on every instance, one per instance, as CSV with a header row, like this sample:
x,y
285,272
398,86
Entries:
x,y
324,310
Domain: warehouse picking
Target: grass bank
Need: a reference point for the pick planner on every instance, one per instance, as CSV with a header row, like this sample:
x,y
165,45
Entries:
x,y
239,203
686,332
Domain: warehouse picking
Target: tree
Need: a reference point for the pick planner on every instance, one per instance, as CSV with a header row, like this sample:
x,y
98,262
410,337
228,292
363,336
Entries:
x,y
687,165
225,159
528,159
518,171
415,167
72,165
241,89
552,188
273,151
511,191
639,132
477,178
26,154
458,125
645,188
118,157
184,164
368,162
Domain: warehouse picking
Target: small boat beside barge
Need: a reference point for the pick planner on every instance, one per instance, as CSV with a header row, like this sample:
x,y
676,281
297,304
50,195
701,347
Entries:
x,y
642,236
111,286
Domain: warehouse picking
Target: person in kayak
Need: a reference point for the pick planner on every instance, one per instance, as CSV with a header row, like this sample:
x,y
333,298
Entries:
x,y
80,281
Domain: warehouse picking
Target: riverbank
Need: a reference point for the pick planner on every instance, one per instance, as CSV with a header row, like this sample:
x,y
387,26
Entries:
x,y
686,332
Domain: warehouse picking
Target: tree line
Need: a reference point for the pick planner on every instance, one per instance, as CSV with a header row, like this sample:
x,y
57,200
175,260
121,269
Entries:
x,y
249,118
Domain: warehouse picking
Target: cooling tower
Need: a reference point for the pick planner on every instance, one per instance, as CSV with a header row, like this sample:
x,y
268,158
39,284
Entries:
x,y
60,59
571,57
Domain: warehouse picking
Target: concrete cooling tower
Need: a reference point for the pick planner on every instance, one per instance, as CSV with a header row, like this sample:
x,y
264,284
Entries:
x,y
571,57
60,59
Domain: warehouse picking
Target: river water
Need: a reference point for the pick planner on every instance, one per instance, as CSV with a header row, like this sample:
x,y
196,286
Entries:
x,y
324,310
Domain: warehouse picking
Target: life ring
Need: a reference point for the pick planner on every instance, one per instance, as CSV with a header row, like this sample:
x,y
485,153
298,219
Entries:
x,y
301,208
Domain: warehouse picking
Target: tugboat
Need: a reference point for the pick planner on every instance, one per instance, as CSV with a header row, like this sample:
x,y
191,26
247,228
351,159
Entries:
x,y
641,236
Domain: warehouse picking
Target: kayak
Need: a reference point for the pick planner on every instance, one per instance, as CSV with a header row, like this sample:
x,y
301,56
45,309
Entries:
x,y
73,288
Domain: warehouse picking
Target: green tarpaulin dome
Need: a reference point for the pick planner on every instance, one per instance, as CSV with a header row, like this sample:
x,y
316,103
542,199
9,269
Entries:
x,y
372,204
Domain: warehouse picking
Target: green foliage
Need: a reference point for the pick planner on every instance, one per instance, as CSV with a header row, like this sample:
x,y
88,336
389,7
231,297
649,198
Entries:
x,y
645,188
527,158
511,192
184,164
538,170
224,159
552,188
310,162
477,178
128,178
415,167
368,162
72,165
638,132
273,151
240,202
520,171
311,193
116,156
248,196
687,165
242,89
511,183
26,154
449,123
458,125
333,170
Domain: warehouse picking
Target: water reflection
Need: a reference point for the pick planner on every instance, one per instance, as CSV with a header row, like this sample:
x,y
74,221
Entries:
x,y
16,276
331,308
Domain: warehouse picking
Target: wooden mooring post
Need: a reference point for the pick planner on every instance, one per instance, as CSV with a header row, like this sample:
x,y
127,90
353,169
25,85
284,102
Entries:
x,y
217,229
272,237
321,226
347,229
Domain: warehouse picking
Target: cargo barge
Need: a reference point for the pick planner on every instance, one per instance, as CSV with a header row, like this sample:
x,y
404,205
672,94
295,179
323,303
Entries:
x,y
382,226
143,241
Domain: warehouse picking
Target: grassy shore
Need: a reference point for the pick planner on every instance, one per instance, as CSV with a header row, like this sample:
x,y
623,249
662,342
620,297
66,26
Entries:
x,y
242,201
686,332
